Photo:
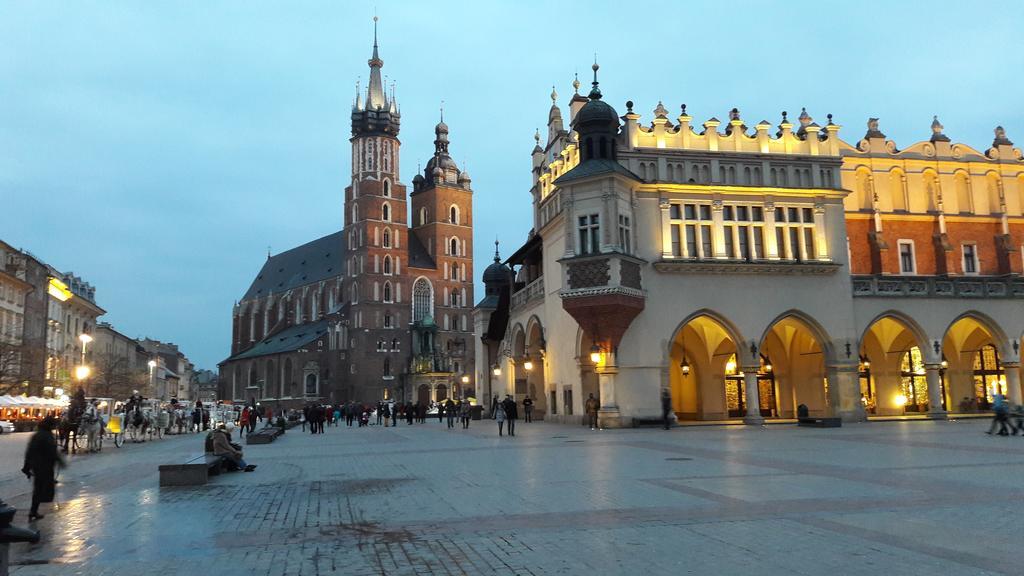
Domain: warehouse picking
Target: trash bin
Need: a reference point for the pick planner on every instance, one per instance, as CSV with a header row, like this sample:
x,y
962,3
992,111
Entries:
x,y
477,412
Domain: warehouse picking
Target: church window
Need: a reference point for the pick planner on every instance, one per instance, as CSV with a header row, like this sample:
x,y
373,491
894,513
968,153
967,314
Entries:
x,y
423,216
453,247
387,265
311,384
453,299
387,188
387,291
298,311
387,367
355,293
386,212
447,322
388,321
422,299
387,238
453,214
355,213
314,308
464,323
455,271
589,234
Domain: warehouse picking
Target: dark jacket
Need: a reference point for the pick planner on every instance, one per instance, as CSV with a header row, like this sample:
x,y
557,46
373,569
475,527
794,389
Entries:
x,y
511,411
41,459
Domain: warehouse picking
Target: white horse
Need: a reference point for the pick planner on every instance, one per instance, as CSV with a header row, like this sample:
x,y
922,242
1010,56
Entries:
x,y
93,431
138,424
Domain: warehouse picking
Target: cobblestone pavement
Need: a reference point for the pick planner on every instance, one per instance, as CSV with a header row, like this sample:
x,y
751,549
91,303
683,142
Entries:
x,y
898,498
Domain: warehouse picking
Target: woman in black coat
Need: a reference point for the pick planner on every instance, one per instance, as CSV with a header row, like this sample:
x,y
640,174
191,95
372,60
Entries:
x,y
41,460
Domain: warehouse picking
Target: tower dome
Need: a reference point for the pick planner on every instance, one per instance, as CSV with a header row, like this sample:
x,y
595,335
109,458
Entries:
x,y
597,124
497,275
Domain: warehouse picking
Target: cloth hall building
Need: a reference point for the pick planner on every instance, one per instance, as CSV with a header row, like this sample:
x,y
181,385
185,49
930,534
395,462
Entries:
x,y
379,309
752,269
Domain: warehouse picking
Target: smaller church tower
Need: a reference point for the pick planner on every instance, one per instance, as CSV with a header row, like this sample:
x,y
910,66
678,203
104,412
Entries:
x,y
442,213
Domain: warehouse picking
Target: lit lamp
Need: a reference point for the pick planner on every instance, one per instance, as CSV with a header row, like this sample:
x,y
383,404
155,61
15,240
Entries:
x,y
465,379
901,400
595,354
944,364
528,365
58,392
496,370
685,366
81,372
767,365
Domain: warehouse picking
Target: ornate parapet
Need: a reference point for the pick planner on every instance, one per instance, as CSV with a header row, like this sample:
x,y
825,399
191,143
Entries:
x,y
529,294
938,286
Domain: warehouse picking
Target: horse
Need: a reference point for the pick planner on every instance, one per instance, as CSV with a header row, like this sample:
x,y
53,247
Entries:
x,y
92,429
138,424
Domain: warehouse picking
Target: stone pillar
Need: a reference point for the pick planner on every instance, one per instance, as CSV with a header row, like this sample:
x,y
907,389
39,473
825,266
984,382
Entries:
x,y
1012,371
844,393
750,395
608,415
934,380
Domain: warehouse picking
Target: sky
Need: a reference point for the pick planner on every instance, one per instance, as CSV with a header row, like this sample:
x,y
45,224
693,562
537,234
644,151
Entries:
x,y
157,149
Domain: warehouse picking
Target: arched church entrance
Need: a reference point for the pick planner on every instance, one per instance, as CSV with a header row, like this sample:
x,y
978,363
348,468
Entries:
x,y
701,359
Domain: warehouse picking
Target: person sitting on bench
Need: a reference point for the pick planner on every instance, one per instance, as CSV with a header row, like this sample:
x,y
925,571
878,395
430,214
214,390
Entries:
x,y
222,446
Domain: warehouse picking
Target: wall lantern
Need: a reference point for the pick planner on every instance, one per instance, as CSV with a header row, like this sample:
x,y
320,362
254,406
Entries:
x,y
595,354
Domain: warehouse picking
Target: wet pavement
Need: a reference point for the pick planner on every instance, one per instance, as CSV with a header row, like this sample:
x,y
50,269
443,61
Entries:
x,y
892,497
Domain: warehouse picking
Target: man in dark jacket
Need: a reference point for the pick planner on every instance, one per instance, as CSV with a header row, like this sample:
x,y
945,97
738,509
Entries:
x,y
511,413
527,409
666,408
41,460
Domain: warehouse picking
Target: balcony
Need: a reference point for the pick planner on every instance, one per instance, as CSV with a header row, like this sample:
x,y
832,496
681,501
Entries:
x,y
603,293
531,293
938,286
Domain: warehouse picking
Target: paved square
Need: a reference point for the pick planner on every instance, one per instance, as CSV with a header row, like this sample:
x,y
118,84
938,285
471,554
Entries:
x,y
892,497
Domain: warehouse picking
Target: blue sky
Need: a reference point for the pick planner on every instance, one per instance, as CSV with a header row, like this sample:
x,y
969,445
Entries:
x,y
158,148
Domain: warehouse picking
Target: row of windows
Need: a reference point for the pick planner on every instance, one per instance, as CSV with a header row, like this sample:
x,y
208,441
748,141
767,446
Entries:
x,y
728,174
11,326
589,234
894,194
11,294
741,232
908,257
454,212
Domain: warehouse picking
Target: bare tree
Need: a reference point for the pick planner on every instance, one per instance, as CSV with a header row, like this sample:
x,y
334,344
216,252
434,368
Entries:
x,y
10,366
113,377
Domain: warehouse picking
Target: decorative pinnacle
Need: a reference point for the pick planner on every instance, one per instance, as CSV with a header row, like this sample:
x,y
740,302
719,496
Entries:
x,y
536,136
497,258
576,82
595,92
554,95
442,110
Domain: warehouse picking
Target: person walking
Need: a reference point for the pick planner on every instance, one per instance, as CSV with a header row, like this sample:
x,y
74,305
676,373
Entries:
x,y
499,416
591,410
380,413
440,412
449,411
511,413
385,409
243,421
466,413
41,461
527,409
666,407
494,406
394,414
1001,412
408,413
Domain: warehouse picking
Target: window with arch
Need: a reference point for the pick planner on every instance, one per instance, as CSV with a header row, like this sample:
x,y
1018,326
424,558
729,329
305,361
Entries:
x,y
286,378
355,213
311,384
387,291
387,265
387,238
988,376
423,216
389,321
453,246
453,299
387,189
898,190
422,299
387,367
385,212
453,214
355,293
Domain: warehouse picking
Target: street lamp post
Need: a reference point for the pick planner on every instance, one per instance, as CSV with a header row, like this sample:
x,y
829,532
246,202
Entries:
x,y
152,368
82,370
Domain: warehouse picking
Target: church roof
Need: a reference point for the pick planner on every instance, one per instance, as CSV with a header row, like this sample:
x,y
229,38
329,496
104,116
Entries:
x,y
286,340
311,262
595,167
418,255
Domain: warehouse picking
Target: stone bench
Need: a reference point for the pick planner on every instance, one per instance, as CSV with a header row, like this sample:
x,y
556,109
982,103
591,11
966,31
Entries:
x,y
195,471
264,436
820,422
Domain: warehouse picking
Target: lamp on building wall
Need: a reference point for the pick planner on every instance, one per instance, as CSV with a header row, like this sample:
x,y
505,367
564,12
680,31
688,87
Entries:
x,y
496,370
465,379
595,353
685,364
767,364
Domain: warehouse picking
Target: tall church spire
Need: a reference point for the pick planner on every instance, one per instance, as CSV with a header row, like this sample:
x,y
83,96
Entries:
x,y
375,92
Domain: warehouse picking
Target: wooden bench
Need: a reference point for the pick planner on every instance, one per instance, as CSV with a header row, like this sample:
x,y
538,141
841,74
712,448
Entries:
x,y
264,435
195,471
820,422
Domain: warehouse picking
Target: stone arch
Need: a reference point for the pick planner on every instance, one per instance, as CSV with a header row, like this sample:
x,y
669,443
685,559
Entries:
x,y
994,186
986,322
898,189
865,188
886,345
962,184
454,215
799,350
967,335
701,359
